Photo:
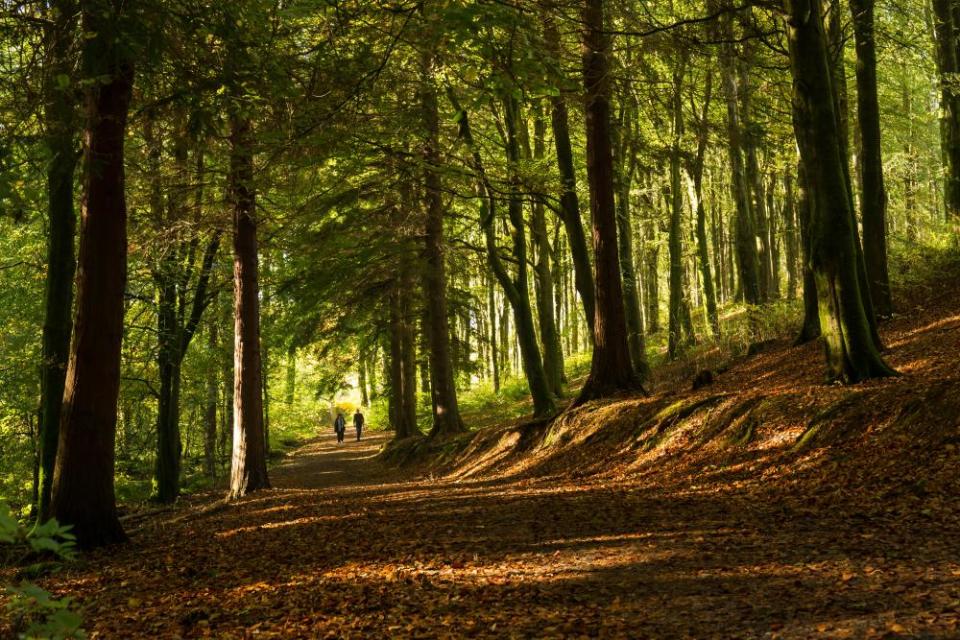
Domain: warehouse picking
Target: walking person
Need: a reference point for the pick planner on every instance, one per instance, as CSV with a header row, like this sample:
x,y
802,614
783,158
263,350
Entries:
x,y
358,423
340,427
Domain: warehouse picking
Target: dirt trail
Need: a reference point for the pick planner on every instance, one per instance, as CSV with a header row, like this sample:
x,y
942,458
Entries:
x,y
324,464
344,548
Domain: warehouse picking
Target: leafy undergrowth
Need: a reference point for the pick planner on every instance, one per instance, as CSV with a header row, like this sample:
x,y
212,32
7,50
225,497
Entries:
x,y
765,505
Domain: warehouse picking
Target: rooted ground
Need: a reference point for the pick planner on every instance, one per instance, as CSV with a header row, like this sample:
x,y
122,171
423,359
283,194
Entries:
x,y
829,513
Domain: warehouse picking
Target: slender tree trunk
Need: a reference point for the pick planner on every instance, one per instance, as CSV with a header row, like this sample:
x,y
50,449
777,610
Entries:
x,y
569,202
395,367
703,251
754,180
552,351
446,412
290,392
852,354
408,370
60,118
515,289
675,243
791,240
873,196
362,379
168,425
82,494
210,411
494,344
403,365
652,280
748,263
248,471
611,371
624,171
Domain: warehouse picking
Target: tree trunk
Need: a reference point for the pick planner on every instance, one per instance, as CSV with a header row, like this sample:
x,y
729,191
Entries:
x,y
703,251
748,264
362,379
552,351
515,289
651,260
290,390
625,168
873,197
168,365
83,491
248,471
60,119
852,354
790,234
611,371
408,371
948,65
675,242
569,202
210,411
494,344
758,209
446,412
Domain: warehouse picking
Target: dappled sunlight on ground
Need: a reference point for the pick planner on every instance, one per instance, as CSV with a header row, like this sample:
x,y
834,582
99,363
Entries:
x,y
766,505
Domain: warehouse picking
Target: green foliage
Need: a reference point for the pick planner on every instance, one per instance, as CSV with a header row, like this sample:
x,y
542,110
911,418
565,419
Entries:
x,y
37,613
43,616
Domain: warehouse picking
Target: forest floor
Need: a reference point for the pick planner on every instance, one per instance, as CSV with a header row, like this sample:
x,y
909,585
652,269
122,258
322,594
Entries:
x,y
765,505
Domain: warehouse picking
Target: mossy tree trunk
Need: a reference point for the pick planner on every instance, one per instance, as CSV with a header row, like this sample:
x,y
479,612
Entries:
x,y
851,352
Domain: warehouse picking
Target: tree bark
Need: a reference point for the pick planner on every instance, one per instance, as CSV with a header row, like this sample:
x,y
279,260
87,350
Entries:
x,y
83,491
514,288
748,263
625,165
446,412
851,352
549,336
675,242
210,411
60,119
873,197
569,202
611,371
703,251
948,65
248,472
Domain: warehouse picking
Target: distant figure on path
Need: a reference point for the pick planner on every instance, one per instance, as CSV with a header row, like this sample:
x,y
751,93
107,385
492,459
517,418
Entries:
x,y
340,427
358,423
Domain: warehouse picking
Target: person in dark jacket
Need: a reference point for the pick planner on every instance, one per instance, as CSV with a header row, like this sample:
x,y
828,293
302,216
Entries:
x,y
358,423
340,427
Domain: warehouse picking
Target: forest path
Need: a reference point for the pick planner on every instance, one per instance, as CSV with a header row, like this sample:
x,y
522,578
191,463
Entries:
x,y
343,548
324,464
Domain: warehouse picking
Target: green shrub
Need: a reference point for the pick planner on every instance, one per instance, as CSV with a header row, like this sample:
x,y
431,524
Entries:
x,y
35,613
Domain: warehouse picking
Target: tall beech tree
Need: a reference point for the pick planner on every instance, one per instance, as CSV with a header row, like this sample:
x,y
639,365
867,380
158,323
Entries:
x,y
569,201
446,411
514,287
852,353
873,195
62,126
611,371
748,262
83,490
